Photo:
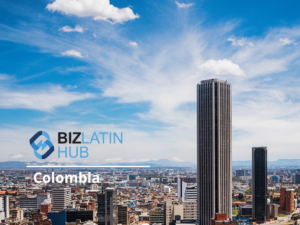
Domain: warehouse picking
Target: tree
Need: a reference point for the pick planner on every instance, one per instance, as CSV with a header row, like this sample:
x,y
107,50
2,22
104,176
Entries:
x,y
248,191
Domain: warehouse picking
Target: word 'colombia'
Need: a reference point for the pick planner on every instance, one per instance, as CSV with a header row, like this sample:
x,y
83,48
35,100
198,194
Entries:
x,y
79,138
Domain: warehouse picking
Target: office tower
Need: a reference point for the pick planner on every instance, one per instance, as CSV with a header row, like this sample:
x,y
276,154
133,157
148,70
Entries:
x,y
157,216
286,201
259,184
58,218
186,191
242,173
172,209
4,207
107,207
296,178
189,210
272,211
214,152
61,198
83,215
123,217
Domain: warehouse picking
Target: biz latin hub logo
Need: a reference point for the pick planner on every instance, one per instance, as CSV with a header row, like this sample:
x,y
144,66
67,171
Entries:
x,y
72,138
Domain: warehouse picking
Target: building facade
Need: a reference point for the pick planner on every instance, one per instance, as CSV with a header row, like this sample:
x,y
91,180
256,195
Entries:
x,y
157,216
108,207
259,184
286,201
172,209
214,150
61,198
189,210
123,215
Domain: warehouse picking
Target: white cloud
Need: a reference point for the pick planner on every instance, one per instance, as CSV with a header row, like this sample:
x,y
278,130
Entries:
x,y
132,43
5,77
45,99
113,160
221,67
72,53
183,5
286,41
240,42
77,28
21,156
176,159
98,9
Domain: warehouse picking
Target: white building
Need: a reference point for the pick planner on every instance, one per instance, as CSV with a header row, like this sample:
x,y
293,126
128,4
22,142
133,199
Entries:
x,y
61,198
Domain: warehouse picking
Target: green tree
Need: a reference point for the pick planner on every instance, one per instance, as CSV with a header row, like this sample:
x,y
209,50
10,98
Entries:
x,y
249,191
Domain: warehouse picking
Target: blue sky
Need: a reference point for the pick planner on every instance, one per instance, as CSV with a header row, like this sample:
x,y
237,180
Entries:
x,y
133,66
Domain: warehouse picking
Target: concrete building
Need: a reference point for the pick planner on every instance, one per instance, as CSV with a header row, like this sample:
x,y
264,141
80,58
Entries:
x,y
172,209
61,198
189,210
17,214
214,149
272,211
242,173
156,216
107,207
4,207
123,216
286,201
245,211
33,202
297,178
259,184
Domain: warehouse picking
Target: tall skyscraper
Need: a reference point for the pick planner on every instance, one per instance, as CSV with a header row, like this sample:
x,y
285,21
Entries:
x,y
259,184
214,152
108,207
61,198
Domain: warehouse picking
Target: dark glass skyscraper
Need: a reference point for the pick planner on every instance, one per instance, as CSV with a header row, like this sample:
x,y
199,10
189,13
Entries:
x,y
107,207
214,149
259,184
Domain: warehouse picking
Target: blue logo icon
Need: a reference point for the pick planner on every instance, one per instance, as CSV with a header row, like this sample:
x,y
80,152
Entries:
x,y
41,144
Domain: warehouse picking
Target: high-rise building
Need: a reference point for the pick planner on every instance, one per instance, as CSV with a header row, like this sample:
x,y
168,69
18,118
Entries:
x,y
156,216
186,191
33,202
123,216
46,207
172,209
4,207
108,207
214,154
286,201
189,210
297,178
259,184
242,173
58,218
61,198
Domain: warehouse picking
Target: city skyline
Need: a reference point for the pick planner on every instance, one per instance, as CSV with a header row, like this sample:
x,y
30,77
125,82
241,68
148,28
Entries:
x,y
135,72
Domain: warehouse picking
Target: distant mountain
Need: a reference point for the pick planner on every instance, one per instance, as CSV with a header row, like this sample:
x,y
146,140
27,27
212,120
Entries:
x,y
157,163
279,162
151,163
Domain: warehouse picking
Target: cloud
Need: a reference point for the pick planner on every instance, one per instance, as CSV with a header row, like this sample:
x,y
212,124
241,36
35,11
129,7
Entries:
x,y
240,42
221,67
113,160
286,41
77,28
183,5
132,43
45,99
176,159
5,77
72,53
98,9
21,156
